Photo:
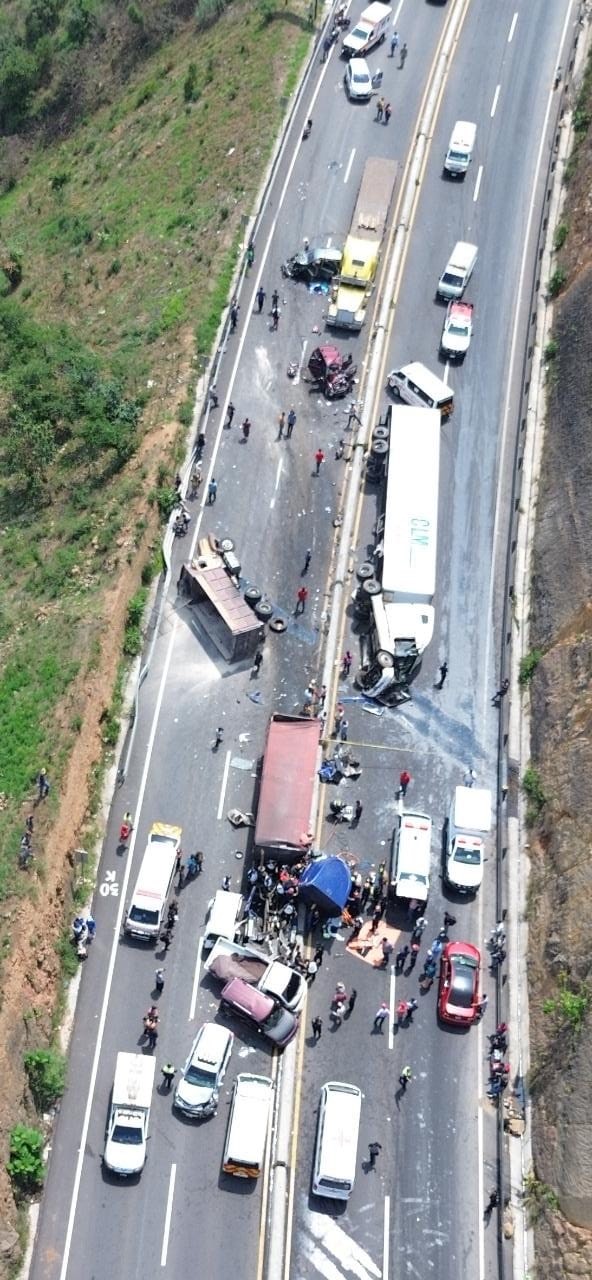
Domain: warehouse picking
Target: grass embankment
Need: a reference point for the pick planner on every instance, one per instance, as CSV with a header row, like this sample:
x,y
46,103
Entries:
x,y
124,236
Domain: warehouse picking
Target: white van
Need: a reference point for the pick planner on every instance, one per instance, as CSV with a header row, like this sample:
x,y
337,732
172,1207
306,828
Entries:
x,y
224,916
149,899
246,1136
415,384
458,270
460,148
370,29
468,825
413,841
336,1146
129,1114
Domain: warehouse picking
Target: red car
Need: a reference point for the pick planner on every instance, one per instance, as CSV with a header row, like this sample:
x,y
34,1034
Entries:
x,y
458,992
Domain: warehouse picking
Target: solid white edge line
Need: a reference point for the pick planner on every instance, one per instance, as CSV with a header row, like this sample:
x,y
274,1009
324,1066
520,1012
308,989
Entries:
x,y
111,968
223,786
386,1238
280,467
391,1031
495,100
478,184
512,28
196,975
168,1215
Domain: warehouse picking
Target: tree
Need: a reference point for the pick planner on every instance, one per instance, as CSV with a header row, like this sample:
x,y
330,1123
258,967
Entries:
x,y
29,448
18,79
41,17
25,1165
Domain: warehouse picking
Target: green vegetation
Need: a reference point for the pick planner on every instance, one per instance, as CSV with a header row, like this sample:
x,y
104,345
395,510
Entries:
x,y
551,350
569,1006
533,788
561,233
528,666
556,282
538,1197
46,1072
25,1164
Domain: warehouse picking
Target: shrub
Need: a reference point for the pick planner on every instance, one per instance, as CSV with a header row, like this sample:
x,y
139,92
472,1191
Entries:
x,y
556,282
80,21
533,788
551,350
528,666
135,15
568,1005
25,1165
18,78
46,1073
190,89
41,16
538,1197
560,235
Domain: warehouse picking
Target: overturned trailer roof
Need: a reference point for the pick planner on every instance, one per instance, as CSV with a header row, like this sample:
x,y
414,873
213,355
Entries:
x,y
288,782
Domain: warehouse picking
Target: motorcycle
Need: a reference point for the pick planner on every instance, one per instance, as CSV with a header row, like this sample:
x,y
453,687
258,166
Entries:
x,y
307,129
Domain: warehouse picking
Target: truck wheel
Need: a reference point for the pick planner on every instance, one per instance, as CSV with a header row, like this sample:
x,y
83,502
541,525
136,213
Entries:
x,y
227,545
253,596
263,610
380,433
372,587
380,448
365,571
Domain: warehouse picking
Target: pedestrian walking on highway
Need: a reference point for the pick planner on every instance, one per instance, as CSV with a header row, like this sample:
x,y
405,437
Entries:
x,y
246,429
358,811
411,1009
213,396
449,921
168,1075
281,424
275,300
229,414
166,938
387,951
405,1078
436,948
250,253
501,693
394,43
344,730
301,598
380,109
470,778
346,662
275,319
380,1016
307,560
311,971
376,918
152,1036
483,1003
291,422
317,1028
403,56
336,1015
260,296
351,1004
400,959
356,929
319,459
374,1150
159,980
319,955
226,883
388,111
443,669
212,491
257,660
404,780
218,738
492,1203
234,310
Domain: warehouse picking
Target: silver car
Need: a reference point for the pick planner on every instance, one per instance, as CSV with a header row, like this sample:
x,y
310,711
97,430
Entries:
x,y
197,1092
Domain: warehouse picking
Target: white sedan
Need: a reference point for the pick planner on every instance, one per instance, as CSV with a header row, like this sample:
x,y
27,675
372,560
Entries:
x,y
458,330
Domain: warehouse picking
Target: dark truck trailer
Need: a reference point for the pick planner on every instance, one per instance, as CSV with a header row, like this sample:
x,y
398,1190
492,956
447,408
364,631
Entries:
x,y
283,830
220,606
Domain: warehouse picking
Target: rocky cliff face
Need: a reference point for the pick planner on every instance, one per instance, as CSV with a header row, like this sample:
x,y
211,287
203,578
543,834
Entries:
x,y
560,899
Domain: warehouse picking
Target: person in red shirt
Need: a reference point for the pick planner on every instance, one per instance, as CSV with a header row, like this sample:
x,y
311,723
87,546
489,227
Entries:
x,y
404,780
301,598
319,459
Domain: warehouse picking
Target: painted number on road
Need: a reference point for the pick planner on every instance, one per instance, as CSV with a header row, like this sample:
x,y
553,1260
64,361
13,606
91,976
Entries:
x,y
109,887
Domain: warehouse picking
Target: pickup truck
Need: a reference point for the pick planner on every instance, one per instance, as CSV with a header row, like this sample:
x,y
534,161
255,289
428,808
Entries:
x,y
228,960
458,330
127,1126
370,30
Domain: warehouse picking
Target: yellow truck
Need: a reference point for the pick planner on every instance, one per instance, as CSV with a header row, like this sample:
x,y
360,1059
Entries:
x,y
353,286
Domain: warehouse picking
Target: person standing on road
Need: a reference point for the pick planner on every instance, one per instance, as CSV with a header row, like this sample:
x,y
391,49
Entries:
x,y
379,109
380,1016
246,429
358,811
356,929
403,56
229,415
443,669
159,980
281,424
501,693
404,780
319,459
319,955
301,598
168,1075
394,43
307,560
234,310
257,660
260,296
212,491
336,1014
291,422
388,111
374,1150
152,1035
275,300
405,1078
400,959
351,1004
387,951
317,1028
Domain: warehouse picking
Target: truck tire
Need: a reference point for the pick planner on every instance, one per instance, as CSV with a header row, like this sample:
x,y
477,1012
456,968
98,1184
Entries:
x,y
380,433
227,544
372,587
384,659
365,571
263,610
379,448
253,596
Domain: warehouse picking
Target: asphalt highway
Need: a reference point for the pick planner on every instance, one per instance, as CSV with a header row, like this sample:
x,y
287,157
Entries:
x,y
420,1210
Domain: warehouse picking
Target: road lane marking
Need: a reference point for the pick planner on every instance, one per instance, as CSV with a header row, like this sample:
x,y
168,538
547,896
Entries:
x,y
112,958
278,473
196,980
167,1218
266,1174
478,183
349,164
512,28
495,98
386,1237
391,1030
223,786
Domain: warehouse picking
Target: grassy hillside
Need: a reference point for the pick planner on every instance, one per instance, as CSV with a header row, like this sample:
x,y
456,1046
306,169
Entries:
x,y
117,243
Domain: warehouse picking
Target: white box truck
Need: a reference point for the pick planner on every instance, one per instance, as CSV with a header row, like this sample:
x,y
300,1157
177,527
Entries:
x,y
460,148
127,1127
468,825
246,1136
371,29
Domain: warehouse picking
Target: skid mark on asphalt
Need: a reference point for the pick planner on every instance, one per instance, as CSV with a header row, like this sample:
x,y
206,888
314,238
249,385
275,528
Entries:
x,y
326,1244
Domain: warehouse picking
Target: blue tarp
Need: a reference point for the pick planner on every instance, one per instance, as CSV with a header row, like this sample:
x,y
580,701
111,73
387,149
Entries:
x,y
326,884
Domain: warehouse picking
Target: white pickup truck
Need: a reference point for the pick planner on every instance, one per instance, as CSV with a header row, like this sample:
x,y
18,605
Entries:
x,y
458,330
370,30
127,1127
228,960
